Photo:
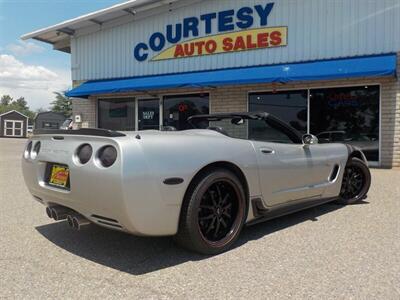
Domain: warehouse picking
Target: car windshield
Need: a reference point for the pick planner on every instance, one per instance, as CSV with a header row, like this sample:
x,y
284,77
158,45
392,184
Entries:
x,y
341,136
66,123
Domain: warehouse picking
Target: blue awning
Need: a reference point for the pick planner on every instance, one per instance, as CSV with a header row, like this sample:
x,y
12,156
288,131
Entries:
x,y
371,66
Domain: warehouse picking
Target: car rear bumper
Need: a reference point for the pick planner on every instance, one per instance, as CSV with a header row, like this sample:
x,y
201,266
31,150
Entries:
x,y
110,197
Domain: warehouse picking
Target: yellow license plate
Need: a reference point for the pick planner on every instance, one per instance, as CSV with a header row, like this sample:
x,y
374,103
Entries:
x,y
59,176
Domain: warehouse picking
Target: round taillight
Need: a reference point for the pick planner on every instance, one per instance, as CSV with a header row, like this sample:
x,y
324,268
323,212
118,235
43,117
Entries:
x,y
28,150
35,151
107,156
84,153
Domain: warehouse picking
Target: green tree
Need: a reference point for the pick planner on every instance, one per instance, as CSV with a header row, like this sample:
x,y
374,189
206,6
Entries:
x,y
62,104
7,104
21,103
6,100
21,106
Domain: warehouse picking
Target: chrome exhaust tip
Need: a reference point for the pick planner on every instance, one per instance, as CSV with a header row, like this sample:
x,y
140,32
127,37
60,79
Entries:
x,y
80,221
77,221
59,213
70,221
48,212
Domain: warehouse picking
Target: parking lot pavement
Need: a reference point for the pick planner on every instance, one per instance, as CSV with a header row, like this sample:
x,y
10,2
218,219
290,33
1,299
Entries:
x,y
327,252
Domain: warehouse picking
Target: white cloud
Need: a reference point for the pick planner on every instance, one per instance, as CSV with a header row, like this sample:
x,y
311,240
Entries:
x,y
35,83
24,48
16,73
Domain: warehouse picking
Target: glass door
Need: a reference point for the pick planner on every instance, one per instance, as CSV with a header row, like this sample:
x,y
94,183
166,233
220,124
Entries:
x,y
149,114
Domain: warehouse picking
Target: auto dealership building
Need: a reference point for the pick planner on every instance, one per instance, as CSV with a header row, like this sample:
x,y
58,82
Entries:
x,y
325,67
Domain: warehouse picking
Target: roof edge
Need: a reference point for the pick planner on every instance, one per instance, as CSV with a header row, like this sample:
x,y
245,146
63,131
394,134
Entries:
x,y
10,111
92,15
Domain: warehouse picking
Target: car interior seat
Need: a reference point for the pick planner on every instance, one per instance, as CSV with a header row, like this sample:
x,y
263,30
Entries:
x,y
168,128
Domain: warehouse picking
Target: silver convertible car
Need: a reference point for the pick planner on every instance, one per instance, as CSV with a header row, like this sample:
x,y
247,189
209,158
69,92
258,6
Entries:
x,y
200,186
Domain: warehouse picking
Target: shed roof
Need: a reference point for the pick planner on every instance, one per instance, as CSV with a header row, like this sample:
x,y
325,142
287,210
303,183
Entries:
x,y
49,112
13,111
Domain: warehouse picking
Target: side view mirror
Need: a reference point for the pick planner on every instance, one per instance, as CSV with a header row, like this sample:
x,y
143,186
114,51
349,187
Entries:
x,y
309,139
237,121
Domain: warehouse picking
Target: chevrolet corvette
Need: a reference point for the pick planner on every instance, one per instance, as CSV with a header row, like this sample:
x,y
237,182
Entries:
x,y
200,185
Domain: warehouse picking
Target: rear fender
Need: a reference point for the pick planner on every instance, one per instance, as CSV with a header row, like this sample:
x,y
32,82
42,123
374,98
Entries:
x,y
357,153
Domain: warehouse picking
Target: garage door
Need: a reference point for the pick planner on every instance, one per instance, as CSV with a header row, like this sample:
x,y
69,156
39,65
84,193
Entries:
x,y
13,128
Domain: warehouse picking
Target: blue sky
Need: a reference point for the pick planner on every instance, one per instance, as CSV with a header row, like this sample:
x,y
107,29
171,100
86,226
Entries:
x,y
32,69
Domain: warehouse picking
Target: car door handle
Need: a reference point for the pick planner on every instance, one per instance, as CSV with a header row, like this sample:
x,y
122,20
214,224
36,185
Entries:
x,y
267,151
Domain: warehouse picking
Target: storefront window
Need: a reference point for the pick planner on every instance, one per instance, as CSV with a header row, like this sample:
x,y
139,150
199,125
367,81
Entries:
x,y
348,115
289,106
116,114
177,109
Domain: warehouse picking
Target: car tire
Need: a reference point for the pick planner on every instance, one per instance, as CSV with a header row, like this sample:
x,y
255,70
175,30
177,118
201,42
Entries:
x,y
213,213
356,182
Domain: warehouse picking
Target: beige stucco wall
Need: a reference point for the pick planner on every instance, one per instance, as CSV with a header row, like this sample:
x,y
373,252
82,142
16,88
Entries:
x,y
235,98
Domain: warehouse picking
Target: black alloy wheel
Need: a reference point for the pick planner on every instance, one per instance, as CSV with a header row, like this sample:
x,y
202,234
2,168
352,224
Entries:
x,y
213,213
218,211
353,182
356,182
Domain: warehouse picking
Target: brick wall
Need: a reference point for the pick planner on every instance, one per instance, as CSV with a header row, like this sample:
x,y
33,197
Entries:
x,y
86,108
235,99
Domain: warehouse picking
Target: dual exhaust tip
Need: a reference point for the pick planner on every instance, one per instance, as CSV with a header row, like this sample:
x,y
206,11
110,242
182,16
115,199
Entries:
x,y
77,221
74,220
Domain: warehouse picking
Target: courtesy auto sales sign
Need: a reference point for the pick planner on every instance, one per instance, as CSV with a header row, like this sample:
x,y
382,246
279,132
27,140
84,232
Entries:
x,y
225,31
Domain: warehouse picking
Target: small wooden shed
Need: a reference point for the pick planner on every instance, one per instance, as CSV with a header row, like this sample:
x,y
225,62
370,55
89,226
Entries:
x,y
13,124
49,120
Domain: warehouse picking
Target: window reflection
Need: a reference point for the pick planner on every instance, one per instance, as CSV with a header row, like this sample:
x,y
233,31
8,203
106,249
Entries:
x,y
116,114
259,130
348,115
289,106
177,109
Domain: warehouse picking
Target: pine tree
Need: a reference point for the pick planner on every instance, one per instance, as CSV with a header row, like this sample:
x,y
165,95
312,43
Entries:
x,y
62,104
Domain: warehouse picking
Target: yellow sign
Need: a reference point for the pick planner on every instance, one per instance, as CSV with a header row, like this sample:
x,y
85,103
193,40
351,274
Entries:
x,y
259,38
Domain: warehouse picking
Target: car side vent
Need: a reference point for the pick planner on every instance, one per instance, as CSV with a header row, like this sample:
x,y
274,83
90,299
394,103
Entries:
x,y
58,138
334,173
107,221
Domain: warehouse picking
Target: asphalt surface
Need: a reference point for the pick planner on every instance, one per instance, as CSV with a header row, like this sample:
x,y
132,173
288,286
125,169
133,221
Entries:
x,y
329,252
